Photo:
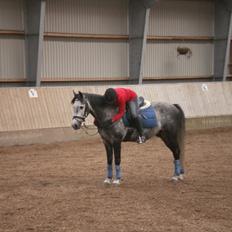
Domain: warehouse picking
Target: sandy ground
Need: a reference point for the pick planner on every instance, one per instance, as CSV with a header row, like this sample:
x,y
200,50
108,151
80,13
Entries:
x,y
59,187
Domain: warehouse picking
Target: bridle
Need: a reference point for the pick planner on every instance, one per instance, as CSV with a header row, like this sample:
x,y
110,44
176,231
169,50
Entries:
x,y
80,118
86,108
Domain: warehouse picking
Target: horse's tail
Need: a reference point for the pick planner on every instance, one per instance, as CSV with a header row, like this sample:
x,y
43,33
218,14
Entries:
x,y
181,135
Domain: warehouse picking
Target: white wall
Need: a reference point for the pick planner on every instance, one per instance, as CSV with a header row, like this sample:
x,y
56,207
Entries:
x,y
52,108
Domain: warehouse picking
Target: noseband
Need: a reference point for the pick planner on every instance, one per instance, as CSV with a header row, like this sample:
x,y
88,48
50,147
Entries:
x,y
79,117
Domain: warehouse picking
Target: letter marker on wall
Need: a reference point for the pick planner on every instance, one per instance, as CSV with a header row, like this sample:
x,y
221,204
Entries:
x,y
32,93
204,87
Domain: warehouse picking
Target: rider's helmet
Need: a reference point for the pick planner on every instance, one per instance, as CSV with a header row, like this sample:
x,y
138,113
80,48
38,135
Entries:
x,y
110,96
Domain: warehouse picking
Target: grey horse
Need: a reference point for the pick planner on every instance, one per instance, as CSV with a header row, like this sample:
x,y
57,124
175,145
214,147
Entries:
x,y
170,128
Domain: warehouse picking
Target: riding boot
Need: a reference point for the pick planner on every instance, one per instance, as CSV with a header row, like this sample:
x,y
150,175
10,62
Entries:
x,y
139,127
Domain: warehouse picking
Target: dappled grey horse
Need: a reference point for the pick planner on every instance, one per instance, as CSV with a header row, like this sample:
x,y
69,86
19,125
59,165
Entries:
x,y
170,128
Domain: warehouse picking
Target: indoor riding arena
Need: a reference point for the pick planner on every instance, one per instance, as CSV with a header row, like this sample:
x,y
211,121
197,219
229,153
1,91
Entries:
x,y
172,51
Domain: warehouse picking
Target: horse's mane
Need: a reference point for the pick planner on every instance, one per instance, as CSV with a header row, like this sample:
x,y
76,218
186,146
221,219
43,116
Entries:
x,y
95,99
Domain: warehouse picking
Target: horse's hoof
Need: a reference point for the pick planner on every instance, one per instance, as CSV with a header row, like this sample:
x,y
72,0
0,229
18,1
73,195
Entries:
x,y
117,182
108,181
176,178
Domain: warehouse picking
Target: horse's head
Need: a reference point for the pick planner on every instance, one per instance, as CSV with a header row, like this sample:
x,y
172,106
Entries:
x,y
80,110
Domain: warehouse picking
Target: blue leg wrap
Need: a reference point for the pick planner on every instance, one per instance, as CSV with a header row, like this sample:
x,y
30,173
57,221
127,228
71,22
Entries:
x,y
109,171
177,167
181,171
118,171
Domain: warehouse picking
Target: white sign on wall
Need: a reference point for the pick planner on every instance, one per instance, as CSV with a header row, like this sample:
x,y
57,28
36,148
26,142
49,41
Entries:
x,y
204,87
32,93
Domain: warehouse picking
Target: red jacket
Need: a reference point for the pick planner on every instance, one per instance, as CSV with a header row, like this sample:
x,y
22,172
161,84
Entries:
x,y
123,96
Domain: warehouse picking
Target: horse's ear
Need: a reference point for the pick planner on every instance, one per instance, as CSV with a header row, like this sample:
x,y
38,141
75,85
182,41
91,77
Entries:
x,y
73,97
81,95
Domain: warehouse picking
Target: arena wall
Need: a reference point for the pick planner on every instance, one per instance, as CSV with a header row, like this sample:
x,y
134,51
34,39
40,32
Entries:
x,y
47,116
89,41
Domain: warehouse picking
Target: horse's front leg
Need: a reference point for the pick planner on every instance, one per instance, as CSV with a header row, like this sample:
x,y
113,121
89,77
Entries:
x,y
117,161
109,154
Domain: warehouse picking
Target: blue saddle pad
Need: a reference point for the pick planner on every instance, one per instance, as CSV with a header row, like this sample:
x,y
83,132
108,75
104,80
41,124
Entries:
x,y
147,115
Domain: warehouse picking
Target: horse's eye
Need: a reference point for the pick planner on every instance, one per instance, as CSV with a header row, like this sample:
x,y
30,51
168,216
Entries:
x,y
81,107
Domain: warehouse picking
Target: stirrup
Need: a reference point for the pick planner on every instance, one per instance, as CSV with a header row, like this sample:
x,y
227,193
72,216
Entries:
x,y
141,139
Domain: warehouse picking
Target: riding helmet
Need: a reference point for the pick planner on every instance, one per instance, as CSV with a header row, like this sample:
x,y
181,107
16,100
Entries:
x,y
110,96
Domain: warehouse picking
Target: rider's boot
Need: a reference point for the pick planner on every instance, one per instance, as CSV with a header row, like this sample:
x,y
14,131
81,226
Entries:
x,y
141,139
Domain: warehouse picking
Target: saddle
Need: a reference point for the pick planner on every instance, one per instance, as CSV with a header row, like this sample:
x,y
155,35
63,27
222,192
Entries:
x,y
146,113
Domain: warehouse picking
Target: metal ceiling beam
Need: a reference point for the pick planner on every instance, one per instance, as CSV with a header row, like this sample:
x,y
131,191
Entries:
x,y
138,25
34,28
222,36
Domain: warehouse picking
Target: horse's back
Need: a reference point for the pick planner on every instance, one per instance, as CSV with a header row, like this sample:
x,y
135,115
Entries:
x,y
165,108
168,114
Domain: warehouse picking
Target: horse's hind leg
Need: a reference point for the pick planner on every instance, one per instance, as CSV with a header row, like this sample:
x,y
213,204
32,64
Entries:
x,y
117,161
109,154
170,139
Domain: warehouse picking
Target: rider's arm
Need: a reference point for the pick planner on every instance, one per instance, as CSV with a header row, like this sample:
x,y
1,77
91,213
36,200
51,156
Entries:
x,y
121,110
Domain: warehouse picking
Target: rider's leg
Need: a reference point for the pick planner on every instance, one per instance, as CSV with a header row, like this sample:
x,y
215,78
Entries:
x,y
133,108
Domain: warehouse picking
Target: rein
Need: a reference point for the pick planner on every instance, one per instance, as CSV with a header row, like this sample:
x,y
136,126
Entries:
x,y
85,128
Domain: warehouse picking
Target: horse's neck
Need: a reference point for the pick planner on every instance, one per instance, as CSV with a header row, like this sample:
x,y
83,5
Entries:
x,y
97,106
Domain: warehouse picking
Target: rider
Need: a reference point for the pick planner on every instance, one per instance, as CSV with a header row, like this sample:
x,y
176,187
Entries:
x,y
122,97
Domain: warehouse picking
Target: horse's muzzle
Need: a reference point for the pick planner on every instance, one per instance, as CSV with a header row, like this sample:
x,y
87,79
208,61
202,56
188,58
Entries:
x,y
76,124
